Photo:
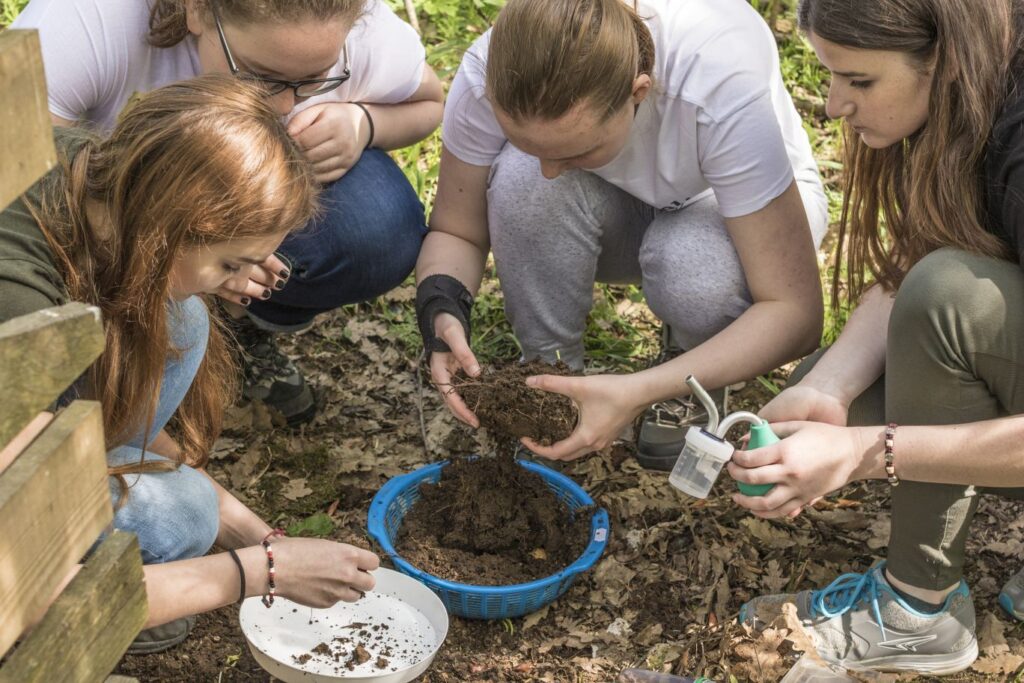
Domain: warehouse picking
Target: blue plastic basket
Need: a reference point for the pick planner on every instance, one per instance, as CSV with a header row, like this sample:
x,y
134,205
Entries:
x,y
397,496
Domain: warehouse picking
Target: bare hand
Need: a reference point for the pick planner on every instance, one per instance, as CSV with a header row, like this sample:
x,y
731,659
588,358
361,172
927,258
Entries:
x,y
443,365
805,403
319,573
255,282
812,460
332,136
605,406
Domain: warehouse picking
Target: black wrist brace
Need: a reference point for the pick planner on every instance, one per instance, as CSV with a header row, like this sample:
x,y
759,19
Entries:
x,y
441,294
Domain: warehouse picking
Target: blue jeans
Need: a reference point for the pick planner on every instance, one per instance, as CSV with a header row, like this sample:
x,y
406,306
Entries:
x,y
175,514
364,244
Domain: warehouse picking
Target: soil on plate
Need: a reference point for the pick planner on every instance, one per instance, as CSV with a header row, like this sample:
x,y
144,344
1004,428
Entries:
x,y
509,408
488,521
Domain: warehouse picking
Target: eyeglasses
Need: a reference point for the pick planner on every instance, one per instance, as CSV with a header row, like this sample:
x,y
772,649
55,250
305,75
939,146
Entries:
x,y
273,86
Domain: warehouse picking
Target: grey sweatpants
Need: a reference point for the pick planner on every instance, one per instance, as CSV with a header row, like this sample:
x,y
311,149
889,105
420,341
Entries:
x,y
553,239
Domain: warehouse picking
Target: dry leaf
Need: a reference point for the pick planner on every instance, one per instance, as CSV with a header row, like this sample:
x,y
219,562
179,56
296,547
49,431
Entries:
x,y
773,579
768,533
534,618
295,489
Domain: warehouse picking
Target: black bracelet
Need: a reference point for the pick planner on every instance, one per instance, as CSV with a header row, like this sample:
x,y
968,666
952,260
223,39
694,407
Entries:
x,y
441,294
241,575
369,120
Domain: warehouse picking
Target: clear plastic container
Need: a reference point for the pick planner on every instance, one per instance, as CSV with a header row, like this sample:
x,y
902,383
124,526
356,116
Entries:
x,y
700,463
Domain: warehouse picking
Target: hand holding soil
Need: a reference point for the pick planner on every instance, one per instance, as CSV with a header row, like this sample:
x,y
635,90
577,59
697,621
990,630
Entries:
x,y
606,403
319,573
507,406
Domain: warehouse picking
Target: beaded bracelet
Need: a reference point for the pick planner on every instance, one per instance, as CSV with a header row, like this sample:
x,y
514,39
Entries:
x,y
268,599
890,467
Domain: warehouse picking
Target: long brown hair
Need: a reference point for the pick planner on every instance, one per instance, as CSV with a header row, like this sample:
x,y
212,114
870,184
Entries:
x,y
195,163
546,56
927,189
168,26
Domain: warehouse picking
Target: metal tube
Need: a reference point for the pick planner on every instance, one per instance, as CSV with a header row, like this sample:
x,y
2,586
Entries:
x,y
738,416
705,400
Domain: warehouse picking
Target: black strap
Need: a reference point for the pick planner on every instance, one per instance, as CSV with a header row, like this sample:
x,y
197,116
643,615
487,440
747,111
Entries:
x,y
441,294
241,575
369,120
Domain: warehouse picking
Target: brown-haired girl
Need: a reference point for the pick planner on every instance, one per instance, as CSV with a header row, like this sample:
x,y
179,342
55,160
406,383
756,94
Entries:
x,y
351,78
198,182
933,108
651,143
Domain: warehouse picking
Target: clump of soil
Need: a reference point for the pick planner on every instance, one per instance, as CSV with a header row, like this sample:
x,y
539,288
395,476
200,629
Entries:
x,y
507,407
489,521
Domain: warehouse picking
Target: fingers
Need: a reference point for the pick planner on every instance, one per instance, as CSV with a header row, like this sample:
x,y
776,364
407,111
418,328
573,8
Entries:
x,y
571,448
555,384
784,429
300,124
441,374
759,457
769,474
455,337
275,265
244,291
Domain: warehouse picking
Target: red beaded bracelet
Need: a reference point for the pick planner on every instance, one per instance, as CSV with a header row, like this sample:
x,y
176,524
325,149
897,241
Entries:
x,y
268,599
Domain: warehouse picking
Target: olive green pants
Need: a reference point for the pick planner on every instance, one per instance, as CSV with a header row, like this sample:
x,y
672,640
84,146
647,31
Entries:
x,y
955,354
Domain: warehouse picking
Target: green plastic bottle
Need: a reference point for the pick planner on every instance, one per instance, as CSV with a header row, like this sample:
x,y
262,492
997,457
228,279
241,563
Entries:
x,y
760,435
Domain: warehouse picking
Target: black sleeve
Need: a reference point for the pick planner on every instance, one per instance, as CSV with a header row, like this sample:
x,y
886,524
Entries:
x,y
1005,179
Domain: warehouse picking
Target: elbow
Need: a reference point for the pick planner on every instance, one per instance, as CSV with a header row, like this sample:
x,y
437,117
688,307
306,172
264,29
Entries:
x,y
813,322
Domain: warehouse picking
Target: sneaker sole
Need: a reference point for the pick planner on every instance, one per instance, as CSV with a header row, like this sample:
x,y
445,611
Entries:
x,y
938,665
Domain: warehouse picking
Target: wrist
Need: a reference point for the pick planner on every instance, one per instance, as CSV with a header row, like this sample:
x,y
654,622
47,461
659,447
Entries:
x,y
365,127
829,385
869,453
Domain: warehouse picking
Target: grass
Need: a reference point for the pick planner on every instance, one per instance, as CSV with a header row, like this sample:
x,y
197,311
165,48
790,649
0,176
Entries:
x,y
621,334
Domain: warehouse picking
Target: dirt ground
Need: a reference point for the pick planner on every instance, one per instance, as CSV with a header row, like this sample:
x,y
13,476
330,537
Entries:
x,y
666,592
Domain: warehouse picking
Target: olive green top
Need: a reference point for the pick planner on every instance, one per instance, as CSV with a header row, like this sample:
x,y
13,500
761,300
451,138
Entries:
x,y
29,277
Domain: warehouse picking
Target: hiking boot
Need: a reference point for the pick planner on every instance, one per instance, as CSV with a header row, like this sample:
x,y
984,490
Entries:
x,y
163,637
860,622
664,425
270,376
1011,598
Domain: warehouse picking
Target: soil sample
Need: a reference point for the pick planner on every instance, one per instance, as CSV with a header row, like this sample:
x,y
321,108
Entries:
x,y
488,521
507,407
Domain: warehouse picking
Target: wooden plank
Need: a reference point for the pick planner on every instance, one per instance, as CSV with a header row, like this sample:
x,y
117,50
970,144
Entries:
x,y
26,130
54,503
86,631
40,355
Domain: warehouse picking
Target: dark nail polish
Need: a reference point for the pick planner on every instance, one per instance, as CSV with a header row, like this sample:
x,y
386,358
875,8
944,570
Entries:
x,y
285,273
279,285
266,294
245,301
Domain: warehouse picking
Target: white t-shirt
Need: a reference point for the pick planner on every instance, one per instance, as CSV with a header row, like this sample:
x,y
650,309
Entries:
x,y
719,116
96,57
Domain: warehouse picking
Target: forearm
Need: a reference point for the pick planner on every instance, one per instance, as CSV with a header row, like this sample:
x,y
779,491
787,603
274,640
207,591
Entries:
x,y
400,125
857,358
443,253
767,335
178,589
986,454
239,526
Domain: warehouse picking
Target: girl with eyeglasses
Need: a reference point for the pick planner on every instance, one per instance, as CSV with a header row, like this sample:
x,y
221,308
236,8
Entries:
x,y
196,179
351,79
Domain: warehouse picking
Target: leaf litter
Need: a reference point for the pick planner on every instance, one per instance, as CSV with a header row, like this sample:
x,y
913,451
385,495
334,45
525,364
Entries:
x,y
666,592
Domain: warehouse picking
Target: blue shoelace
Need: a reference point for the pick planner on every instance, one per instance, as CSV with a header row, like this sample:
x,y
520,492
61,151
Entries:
x,y
845,593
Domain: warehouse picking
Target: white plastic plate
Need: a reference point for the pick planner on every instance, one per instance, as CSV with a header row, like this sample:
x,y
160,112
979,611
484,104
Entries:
x,y
401,620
